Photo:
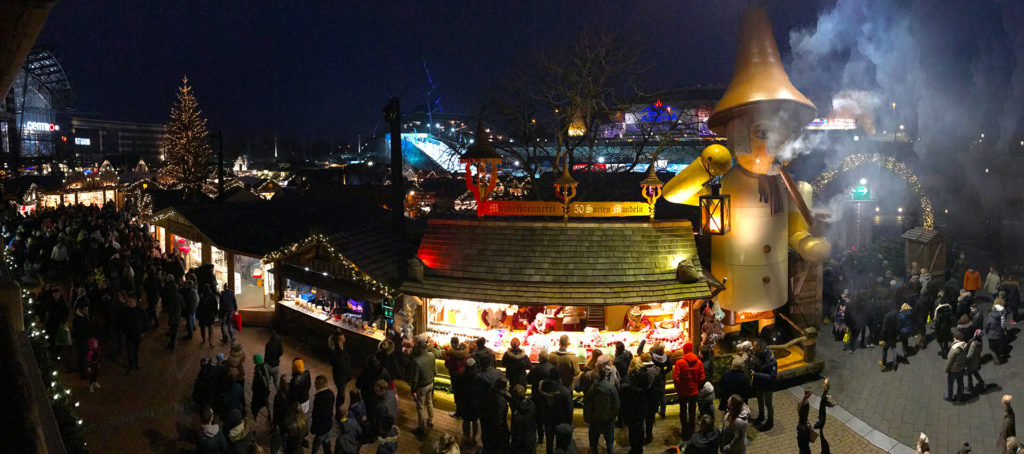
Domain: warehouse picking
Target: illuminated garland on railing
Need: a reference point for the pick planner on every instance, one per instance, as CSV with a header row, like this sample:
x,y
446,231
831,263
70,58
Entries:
x,y
358,276
888,163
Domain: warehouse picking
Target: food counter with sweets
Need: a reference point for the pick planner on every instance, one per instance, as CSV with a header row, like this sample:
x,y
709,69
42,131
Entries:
x,y
540,327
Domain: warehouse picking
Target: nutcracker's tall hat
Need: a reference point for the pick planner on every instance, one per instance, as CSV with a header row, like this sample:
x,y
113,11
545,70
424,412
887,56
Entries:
x,y
759,80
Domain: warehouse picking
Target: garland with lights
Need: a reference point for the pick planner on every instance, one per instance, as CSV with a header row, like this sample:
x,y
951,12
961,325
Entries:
x,y
356,274
61,401
853,161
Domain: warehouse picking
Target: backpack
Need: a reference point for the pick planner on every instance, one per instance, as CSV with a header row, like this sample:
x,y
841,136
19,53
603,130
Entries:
x,y
600,403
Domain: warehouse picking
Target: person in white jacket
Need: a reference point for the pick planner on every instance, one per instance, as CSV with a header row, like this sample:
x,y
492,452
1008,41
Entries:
x,y
992,282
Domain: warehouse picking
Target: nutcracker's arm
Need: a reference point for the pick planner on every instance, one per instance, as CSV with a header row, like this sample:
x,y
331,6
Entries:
x,y
715,160
810,247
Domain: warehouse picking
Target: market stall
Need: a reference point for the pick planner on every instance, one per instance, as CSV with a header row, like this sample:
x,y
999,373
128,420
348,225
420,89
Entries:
x,y
598,283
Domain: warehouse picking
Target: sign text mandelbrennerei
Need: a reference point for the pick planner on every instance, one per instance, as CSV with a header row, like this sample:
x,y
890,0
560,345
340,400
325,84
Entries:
x,y
576,209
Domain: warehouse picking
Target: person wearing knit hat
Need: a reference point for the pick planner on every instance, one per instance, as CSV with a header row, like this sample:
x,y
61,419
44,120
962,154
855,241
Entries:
x,y
298,388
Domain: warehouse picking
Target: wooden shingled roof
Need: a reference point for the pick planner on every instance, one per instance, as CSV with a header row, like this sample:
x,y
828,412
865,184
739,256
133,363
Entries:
x,y
534,263
921,235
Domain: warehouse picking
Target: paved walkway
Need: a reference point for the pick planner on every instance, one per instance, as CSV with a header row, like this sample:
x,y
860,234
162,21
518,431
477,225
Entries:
x,y
907,401
149,410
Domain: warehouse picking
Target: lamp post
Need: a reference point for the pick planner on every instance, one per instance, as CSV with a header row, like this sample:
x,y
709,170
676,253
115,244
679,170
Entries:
x,y
565,188
651,188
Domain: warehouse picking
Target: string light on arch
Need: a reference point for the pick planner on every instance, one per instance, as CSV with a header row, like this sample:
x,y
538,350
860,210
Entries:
x,y
891,164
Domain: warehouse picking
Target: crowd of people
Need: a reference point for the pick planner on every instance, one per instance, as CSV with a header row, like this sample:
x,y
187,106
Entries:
x,y
891,312
103,281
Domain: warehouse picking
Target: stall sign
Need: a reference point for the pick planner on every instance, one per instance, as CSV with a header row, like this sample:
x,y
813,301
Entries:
x,y
238,283
576,209
518,208
26,209
608,209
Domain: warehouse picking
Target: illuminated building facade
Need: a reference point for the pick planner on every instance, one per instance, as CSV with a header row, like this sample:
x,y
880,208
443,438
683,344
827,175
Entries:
x,y
30,113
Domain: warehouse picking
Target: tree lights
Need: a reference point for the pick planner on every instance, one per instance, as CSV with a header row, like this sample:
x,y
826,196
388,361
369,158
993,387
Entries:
x,y
187,153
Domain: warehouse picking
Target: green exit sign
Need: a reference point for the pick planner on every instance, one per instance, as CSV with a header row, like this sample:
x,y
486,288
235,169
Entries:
x,y
860,193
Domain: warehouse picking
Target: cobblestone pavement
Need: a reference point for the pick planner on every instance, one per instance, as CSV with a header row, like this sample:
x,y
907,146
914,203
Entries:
x,y
149,410
907,401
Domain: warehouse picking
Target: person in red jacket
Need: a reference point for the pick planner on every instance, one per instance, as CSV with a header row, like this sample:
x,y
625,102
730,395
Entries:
x,y
688,375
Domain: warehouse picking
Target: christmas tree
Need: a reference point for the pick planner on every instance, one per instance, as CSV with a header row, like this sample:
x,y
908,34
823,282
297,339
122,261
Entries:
x,y
187,154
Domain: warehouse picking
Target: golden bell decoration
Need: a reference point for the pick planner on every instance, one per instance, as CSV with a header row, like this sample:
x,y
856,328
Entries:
x,y
758,76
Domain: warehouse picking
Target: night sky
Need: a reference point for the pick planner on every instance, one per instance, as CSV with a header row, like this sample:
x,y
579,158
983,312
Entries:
x,y
324,72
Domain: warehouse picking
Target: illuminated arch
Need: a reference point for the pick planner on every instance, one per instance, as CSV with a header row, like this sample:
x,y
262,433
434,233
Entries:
x,y
853,161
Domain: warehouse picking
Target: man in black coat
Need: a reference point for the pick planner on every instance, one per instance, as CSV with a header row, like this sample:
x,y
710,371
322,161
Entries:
x,y
173,305
272,355
133,323
323,416
537,375
557,407
890,334
524,422
228,306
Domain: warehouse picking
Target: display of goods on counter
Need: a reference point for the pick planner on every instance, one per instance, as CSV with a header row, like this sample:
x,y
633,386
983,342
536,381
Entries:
x,y
581,342
349,321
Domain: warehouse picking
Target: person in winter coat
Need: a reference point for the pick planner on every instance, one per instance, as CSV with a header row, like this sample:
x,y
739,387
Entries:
x,y
734,381
323,416
469,410
228,307
803,427
563,441
1009,427
173,304
557,408
455,361
260,385
210,439
537,375
653,396
524,422
600,408
300,383
239,437
995,330
956,362
565,362
387,441
272,352
92,364
688,376
707,438
349,429
296,429
906,319
890,333
977,320
622,360
281,406
706,399
386,402
341,363
446,444
206,312
764,375
944,324
1010,292
974,348
734,428
190,308
421,374
972,280
236,362
664,363
632,402
494,432
992,282
204,391
516,363
133,321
